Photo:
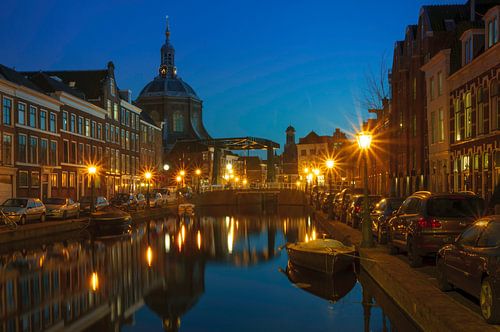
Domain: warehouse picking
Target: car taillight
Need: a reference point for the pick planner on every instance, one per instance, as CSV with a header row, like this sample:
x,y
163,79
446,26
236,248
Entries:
x,y
357,208
429,223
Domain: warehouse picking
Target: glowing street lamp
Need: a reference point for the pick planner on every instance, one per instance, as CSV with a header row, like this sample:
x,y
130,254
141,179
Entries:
x,y
148,175
92,171
198,173
166,167
330,164
364,139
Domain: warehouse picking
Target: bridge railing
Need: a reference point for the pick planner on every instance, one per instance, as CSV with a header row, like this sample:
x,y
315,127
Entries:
x,y
271,185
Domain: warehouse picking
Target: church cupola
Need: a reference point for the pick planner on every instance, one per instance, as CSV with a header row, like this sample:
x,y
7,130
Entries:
x,y
167,67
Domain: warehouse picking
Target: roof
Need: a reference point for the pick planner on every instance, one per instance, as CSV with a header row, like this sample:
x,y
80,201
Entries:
x,y
13,76
313,138
146,118
438,14
290,128
168,86
87,82
49,85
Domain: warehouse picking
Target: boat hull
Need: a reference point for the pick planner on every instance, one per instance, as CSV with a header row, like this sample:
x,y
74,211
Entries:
x,y
329,263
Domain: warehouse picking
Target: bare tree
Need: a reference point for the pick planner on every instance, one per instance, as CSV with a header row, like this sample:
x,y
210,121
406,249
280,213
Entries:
x,y
376,87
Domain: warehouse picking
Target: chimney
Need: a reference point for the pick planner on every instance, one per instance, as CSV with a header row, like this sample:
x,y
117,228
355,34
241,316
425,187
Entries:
x,y
472,5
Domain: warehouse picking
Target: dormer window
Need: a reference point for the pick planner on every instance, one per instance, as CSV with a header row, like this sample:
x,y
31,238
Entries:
x,y
468,50
112,86
492,31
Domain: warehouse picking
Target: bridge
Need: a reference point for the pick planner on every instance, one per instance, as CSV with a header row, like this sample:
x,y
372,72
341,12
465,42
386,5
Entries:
x,y
240,144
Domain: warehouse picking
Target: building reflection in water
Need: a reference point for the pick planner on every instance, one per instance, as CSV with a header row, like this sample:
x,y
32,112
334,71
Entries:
x,y
97,283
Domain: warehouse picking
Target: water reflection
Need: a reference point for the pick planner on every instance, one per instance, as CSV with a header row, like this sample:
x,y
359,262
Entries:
x,y
99,282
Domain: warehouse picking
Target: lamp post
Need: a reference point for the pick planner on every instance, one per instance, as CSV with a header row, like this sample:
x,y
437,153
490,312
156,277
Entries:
x,y
182,173
364,139
92,170
330,164
198,173
306,172
148,176
316,173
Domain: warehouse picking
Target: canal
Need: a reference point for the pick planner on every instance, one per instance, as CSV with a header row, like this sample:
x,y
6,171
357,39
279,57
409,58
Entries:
x,y
214,272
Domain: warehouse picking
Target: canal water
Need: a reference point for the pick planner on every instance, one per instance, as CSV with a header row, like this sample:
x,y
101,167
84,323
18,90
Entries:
x,y
214,272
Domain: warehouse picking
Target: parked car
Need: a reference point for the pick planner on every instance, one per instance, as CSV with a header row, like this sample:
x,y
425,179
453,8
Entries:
x,y
327,202
155,200
345,199
141,201
60,207
23,210
472,262
355,209
100,203
336,203
426,221
380,214
124,201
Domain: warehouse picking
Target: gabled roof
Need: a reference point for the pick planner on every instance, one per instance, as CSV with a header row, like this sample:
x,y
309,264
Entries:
x,y
15,77
313,138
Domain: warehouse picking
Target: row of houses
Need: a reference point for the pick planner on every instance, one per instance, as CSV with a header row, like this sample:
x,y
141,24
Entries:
x,y
440,130
55,123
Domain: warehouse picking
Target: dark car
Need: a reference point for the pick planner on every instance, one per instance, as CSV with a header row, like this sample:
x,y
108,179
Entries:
x,y
472,263
327,202
345,199
100,203
355,209
124,201
381,213
336,203
426,221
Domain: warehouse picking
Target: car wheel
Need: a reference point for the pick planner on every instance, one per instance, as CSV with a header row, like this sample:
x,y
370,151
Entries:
x,y
42,217
490,307
442,280
22,220
414,258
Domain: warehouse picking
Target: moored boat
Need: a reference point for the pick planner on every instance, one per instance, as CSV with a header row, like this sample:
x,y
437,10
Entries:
x,y
110,217
186,209
323,255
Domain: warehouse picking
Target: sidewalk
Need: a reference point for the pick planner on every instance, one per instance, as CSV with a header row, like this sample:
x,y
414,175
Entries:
x,y
415,292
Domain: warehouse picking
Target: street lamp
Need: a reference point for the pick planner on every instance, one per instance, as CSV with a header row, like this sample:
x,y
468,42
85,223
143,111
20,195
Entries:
x,y
148,175
92,170
182,173
330,164
198,173
166,167
364,139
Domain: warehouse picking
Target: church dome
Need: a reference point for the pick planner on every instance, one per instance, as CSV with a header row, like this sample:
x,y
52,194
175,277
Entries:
x,y
168,86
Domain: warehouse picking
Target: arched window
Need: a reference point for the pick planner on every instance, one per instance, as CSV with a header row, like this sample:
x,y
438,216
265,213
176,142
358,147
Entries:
x,y
178,121
495,105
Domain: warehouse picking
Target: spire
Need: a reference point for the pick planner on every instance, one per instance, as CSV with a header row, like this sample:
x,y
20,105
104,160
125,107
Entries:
x,y
167,31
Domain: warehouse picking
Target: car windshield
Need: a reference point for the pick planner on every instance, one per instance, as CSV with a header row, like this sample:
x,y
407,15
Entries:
x,y
15,202
455,207
53,200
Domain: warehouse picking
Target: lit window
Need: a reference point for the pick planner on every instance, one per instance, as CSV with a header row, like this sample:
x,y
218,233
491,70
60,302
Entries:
x,y
178,121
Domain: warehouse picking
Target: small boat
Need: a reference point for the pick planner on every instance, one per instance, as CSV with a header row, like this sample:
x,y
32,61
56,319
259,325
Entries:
x,y
185,209
110,217
323,255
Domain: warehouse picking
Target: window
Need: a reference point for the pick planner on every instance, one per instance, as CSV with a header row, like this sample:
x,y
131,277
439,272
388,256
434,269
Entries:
x,y
43,120
433,127
33,116
99,131
87,153
53,180
72,179
178,121
414,125
33,152
53,153
80,125
72,123
21,113
22,148
52,123
112,134
458,122
23,179
468,115
7,111
87,127
7,149
490,236
65,151
81,158
35,179
440,83
44,150
64,179
65,120
492,32
115,112
431,88
109,107
122,115
469,237
92,129
123,138
72,153
495,105
441,125
486,160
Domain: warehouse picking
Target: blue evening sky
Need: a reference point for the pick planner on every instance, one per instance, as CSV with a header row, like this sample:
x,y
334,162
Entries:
x,y
258,65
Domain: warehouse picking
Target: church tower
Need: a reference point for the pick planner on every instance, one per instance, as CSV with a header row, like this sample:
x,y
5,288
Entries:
x,y
167,63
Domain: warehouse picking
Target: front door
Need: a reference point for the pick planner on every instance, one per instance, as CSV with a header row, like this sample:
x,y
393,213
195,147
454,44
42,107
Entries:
x,y
45,186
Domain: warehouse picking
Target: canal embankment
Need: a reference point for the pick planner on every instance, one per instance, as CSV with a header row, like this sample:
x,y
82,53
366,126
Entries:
x,y
414,292
264,198
57,227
